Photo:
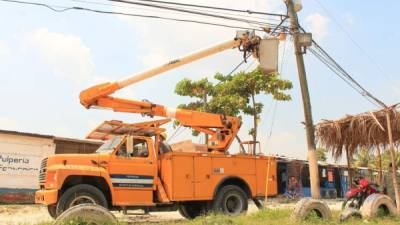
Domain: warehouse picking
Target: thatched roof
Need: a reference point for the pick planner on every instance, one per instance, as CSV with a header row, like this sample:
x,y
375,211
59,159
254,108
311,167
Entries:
x,y
365,130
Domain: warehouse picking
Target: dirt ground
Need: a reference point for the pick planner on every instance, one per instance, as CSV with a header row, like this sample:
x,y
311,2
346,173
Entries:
x,y
35,214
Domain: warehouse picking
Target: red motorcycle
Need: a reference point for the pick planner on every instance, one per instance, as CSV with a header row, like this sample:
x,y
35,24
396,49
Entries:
x,y
355,197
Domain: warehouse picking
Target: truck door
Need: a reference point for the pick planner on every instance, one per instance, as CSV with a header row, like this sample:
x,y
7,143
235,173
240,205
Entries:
x,y
132,172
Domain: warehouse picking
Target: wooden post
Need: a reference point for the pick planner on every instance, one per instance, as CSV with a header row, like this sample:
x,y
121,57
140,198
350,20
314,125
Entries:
x,y
380,172
349,168
393,159
267,182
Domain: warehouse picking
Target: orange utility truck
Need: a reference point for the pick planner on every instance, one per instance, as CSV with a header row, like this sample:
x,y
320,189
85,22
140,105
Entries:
x,y
136,169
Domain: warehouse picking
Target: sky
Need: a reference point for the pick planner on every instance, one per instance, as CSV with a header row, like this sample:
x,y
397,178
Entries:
x,y
47,58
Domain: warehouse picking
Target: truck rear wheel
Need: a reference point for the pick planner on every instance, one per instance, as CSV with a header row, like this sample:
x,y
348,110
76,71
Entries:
x,y
231,200
80,194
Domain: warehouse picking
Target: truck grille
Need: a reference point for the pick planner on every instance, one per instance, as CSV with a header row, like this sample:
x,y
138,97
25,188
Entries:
x,y
43,171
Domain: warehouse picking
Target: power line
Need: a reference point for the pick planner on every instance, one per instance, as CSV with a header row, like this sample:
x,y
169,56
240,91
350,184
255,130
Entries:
x,y
76,8
352,40
213,7
51,7
194,12
325,58
131,7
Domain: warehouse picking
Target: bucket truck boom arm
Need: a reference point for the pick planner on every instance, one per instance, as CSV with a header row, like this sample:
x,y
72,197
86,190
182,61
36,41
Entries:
x,y
222,129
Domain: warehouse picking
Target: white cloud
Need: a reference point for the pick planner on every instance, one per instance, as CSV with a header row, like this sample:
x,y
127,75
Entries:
x,y
9,124
4,49
66,54
318,25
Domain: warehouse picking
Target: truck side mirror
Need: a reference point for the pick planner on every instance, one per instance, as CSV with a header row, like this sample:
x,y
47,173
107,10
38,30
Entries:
x,y
129,145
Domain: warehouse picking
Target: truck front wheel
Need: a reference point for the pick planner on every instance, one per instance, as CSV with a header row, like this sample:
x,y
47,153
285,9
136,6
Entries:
x,y
231,200
80,194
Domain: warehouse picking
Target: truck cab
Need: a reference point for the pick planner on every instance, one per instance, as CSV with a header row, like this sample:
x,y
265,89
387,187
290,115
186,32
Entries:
x,y
135,169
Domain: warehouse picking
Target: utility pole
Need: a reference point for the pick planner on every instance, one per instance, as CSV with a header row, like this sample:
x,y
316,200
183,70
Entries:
x,y
312,159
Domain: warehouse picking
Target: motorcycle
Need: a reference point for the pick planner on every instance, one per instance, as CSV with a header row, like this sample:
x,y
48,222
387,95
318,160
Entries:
x,y
356,196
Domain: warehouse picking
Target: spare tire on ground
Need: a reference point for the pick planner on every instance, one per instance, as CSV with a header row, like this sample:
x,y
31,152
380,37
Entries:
x,y
349,213
377,205
306,206
86,214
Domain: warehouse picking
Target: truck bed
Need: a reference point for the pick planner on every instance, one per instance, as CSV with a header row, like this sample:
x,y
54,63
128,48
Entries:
x,y
195,176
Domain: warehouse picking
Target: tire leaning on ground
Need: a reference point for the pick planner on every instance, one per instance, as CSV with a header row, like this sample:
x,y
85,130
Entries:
x,y
307,205
86,214
192,210
349,213
52,209
230,200
376,202
80,194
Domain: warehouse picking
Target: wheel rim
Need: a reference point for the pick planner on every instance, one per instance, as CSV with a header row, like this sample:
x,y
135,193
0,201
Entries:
x,y
82,200
233,204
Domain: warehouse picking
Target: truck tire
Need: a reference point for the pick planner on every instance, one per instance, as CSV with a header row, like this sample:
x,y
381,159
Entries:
x,y
52,209
374,203
307,205
80,194
192,210
349,213
86,214
230,200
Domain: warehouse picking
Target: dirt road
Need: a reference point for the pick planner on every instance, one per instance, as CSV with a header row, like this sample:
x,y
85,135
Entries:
x,y
36,214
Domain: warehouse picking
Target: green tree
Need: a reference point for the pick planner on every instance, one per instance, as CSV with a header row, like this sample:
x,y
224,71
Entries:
x,y
321,155
201,90
245,86
364,158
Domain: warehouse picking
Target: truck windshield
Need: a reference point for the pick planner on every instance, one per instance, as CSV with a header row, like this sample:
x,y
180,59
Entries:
x,y
109,145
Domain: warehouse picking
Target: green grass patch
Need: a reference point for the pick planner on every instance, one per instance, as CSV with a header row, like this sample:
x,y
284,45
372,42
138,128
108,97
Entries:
x,y
271,217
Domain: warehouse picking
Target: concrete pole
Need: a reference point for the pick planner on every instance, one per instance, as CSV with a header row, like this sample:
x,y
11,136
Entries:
x,y
312,159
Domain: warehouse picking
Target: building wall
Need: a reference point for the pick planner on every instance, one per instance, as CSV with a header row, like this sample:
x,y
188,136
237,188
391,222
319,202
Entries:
x,y
20,158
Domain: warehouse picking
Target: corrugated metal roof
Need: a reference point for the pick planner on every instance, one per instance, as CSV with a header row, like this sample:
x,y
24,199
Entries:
x,y
48,136
26,134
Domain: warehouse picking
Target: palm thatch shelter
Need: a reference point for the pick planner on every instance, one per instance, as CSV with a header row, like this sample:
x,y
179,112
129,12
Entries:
x,y
368,130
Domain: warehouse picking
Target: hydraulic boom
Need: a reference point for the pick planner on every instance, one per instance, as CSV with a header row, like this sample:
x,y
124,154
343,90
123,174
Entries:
x,y
222,129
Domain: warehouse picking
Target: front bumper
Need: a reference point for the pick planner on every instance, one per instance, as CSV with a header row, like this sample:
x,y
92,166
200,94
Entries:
x,y
46,197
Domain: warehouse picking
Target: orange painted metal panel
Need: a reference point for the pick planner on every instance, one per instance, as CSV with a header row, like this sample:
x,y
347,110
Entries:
x,y
46,197
262,170
129,197
203,187
183,177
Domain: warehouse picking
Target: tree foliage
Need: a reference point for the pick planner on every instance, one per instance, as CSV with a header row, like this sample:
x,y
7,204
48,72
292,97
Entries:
x,y
321,154
234,94
243,87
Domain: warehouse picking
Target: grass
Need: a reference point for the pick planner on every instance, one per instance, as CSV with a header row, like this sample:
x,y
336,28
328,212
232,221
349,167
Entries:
x,y
281,217
271,217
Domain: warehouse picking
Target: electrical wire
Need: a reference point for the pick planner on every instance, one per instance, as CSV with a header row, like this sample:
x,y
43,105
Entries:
x,y
325,58
51,7
196,13
349,36
132,7
213,7
76,8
